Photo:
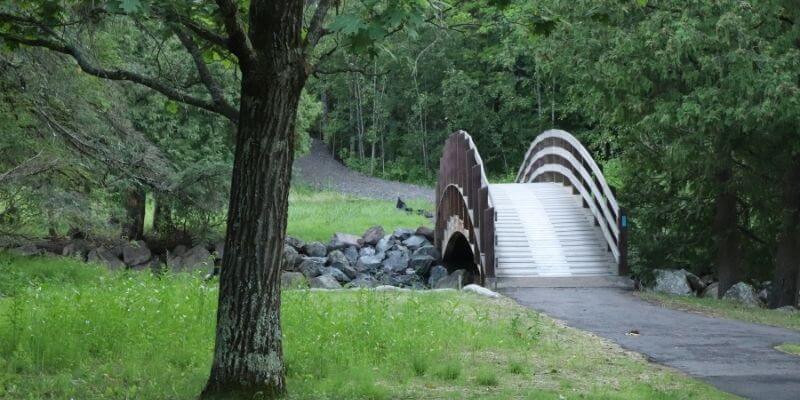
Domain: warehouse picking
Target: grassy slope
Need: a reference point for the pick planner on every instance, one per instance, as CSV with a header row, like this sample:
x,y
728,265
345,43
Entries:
x,y
69,330
727,309
791,348
318,215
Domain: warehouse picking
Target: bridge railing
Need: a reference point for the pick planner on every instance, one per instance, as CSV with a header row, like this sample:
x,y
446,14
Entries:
x,y
557,156
462,190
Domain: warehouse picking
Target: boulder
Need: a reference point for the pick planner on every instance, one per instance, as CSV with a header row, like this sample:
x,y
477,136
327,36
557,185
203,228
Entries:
x,y
436,273
389,288
402,234
672,282
384,244
293,280
315,249
428,251
352,254
396,261
742,293
78,248
291,258
324,282
369,263
336,274
456,280
342,240
366,251
763,295
373,235
480,290
412,281
198,258
295,242
179,250
312,266
363,281
707,279
426,232
103,256
711,291
336,259
421,264
219,249
27,250
695,282
136,253
415,241
389,279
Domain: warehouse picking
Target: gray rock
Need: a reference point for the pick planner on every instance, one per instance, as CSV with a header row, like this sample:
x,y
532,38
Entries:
x,y
324,282
456,280
312,266
295,242
373,235
336,259
428,251
197,258
363,281
695,282
436,273
179,250
369,263
293,280
291,258
315,249
384,244
352,254
421,264
219,249
342,240
414,242
390,279
336,274
480,290
707,279
412,281
27,250
426,232
763,295
136,253
103,256
396,261
389,288
78,248
366,252
672,282
402,233
711,291
743,293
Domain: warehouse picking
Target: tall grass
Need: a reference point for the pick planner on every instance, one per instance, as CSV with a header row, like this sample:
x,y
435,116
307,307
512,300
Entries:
x,y
95,335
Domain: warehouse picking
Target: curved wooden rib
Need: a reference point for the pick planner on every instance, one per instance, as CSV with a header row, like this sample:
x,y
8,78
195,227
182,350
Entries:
x,y
463,191
556,153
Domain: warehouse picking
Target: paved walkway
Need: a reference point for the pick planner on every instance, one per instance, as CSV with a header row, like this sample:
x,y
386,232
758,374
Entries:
x,y
736,357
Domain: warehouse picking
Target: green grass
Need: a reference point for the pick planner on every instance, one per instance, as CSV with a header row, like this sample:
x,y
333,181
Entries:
x,y
726,309
315,215
95,335
791,348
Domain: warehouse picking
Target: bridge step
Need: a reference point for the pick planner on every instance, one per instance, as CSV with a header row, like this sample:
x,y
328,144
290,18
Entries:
x,y
555,282
543,230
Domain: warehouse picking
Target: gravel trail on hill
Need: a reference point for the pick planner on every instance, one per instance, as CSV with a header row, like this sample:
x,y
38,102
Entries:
x,y
319,169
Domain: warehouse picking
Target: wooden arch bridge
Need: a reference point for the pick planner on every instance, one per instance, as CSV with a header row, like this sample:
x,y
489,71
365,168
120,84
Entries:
x,y
560,219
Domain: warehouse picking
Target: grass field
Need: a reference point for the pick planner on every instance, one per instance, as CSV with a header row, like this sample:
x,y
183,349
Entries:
x,y
791,348
315,215
72,330
727,309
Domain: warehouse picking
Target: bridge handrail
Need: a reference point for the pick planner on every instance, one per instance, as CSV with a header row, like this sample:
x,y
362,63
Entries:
x,y
461,166
586,177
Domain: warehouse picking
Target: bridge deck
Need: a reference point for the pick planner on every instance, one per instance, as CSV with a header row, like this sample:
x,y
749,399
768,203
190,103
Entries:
x,y
543,230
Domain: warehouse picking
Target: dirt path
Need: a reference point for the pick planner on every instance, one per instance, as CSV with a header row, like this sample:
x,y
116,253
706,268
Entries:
x,y
737,357
319,169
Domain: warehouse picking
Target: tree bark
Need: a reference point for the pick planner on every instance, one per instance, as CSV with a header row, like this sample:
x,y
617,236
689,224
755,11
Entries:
x,y
786,276
726,232
248,359
134,204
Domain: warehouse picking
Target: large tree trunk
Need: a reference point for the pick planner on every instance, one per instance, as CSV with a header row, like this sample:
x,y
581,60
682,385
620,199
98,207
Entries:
x,y
726,232
248,359
786,276
134,204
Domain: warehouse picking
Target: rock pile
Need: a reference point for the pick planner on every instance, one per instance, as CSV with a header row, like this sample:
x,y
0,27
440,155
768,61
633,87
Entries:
x,y
684,283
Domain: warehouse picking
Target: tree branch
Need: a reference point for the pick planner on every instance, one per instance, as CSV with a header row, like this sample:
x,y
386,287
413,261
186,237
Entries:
x,y
315,29
238,41
205,74
204,33
121,75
